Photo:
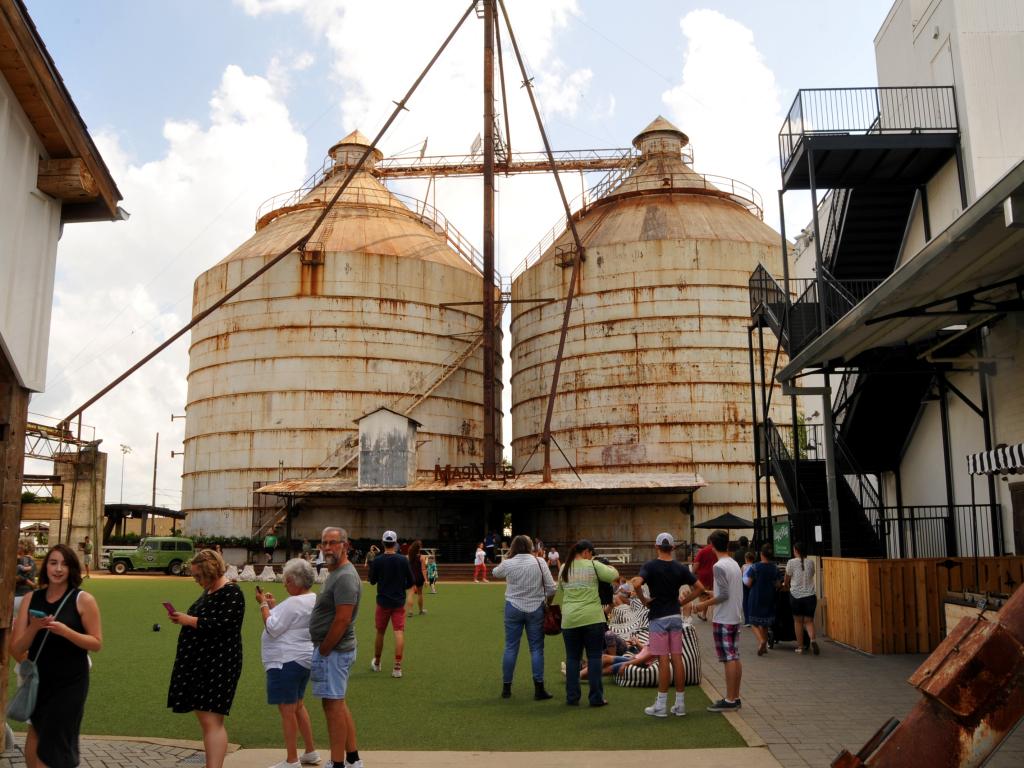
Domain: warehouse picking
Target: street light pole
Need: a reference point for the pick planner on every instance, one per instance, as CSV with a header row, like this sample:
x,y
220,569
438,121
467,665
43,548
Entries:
x,y
125,450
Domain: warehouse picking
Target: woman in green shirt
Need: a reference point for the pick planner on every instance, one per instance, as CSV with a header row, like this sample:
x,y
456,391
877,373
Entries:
x,y
583,620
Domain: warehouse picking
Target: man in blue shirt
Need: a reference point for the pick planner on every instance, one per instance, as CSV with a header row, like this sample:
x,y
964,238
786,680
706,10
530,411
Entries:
x,y
391,573
664,576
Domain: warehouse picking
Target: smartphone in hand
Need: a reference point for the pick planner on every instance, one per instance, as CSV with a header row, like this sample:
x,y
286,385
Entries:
x,y
259,590
38,614
170,609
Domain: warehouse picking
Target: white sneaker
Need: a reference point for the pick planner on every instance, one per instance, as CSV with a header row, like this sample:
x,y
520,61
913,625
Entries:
x,y
656,710
286,764
375,665
357,764
679,710
396,672
309,758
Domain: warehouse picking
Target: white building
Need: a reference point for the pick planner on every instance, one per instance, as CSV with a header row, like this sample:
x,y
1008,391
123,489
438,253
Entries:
x,y
921,246
50,174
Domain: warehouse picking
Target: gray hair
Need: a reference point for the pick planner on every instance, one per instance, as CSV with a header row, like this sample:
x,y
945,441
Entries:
x,y
299,572
342,533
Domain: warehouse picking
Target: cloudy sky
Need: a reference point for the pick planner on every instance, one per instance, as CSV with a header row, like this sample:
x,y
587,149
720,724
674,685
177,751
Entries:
x,y
203,110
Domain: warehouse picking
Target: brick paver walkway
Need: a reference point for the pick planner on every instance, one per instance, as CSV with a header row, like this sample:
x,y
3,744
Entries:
x,y
101,753
808,708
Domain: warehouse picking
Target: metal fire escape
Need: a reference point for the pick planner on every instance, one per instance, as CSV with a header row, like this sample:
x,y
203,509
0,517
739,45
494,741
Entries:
x,y
874,150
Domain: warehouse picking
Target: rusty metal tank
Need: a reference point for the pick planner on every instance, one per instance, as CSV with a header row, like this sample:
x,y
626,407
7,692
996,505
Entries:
x,y
655,374
355,321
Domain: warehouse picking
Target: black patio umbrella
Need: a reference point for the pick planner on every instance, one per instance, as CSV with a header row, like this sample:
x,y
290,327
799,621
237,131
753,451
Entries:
x,y
725,522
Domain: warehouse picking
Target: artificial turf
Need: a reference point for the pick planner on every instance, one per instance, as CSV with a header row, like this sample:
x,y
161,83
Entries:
x,y
448,698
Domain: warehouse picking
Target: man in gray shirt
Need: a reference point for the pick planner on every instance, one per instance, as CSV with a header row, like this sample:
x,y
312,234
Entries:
x,y
332,629
728,597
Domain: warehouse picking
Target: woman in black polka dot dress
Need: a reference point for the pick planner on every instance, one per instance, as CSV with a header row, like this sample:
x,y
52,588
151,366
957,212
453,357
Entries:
x,y
209,658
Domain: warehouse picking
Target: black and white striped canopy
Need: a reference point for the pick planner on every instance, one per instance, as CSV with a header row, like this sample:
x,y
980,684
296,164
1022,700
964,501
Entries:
x,y
1008,459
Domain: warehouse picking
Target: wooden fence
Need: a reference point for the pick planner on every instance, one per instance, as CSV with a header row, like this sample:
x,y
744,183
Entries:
x,y
895,606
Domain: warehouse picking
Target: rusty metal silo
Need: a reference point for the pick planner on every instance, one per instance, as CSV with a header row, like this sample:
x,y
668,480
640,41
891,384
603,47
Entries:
x,y
655,375
279,374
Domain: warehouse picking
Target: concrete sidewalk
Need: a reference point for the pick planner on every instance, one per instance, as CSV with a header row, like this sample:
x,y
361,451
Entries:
x,y
807,708
111,753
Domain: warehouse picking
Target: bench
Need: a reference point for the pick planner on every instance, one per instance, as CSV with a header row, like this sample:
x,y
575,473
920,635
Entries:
x,y
619,555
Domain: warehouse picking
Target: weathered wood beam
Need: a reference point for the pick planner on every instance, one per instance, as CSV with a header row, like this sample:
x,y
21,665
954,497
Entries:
x,y
67,179
13,415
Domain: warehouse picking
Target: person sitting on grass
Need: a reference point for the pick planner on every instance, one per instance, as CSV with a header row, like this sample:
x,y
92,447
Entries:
x,y
619,653
287,655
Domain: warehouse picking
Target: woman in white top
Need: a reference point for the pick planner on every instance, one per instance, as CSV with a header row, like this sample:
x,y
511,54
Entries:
x,y
287,657
802,597
479,565
528,585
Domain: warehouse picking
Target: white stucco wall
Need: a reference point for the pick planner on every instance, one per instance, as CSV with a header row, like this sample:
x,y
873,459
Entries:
x,y
978,47
29,230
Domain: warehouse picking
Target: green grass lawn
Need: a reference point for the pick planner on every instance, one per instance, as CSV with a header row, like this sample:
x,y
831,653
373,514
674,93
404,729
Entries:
x,y
448,698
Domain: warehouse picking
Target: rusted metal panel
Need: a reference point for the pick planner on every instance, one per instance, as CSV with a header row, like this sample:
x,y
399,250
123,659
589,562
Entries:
x,y
973,697
655,372
594,481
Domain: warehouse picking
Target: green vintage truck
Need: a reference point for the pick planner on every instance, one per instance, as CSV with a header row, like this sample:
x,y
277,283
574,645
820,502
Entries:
x,y
162,553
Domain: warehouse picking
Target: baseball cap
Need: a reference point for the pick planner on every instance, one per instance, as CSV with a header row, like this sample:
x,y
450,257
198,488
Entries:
x,y
389,537
663,539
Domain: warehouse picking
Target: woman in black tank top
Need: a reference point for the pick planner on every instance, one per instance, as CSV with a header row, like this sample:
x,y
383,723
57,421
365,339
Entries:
x,y
59,644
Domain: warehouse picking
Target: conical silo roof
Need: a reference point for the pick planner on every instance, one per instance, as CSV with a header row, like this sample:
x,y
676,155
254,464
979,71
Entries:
x,y
367,217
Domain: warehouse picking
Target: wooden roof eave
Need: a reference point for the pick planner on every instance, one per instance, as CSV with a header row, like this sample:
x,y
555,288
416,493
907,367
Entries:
x,y
37,85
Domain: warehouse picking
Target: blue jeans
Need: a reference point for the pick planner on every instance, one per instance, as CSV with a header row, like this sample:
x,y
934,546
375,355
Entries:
x,y
515,622
591,638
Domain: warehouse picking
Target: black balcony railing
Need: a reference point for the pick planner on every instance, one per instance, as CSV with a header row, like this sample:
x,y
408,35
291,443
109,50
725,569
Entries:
x,y
920,531
839,296
817,111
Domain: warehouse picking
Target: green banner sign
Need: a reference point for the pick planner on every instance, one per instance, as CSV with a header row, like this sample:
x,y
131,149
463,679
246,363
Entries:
x,y
780,538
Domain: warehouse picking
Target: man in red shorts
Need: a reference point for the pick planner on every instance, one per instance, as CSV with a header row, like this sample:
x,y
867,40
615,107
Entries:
x,y
391,573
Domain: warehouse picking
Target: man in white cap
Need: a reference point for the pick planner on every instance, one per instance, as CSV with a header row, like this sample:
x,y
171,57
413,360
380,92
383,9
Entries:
x,y
391,573
664,576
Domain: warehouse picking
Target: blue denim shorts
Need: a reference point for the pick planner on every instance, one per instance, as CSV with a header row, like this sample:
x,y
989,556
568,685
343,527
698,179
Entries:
x,y
287,685
330,673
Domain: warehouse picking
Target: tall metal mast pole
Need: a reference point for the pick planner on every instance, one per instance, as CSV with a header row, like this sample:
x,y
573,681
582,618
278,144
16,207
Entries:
x,y
488,231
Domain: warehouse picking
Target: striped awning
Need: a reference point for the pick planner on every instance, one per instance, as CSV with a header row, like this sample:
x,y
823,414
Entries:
x,y
1008,459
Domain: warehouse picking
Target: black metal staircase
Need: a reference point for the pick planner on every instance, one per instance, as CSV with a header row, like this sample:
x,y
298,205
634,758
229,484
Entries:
x,y
803,485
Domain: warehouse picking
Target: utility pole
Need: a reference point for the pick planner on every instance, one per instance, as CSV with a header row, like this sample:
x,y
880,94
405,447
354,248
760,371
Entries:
x,y
488,233
156,456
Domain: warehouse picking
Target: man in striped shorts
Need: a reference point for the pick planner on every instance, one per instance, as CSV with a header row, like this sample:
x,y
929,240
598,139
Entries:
x,y
728,596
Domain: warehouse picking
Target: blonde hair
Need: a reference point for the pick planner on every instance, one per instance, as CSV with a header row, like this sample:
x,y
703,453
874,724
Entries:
x,y
210,564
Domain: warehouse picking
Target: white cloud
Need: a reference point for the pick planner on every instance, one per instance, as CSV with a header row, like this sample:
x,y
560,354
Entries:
x,y
124,288
728,103
279,71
